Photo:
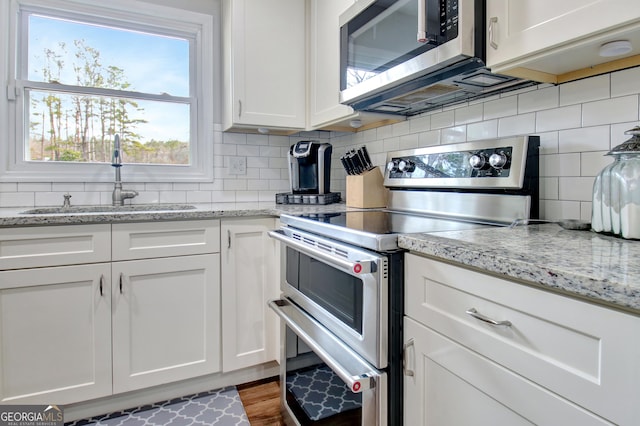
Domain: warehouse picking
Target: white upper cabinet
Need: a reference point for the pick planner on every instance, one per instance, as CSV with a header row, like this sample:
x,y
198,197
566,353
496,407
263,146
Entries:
x,y
557,41
324,62
264,64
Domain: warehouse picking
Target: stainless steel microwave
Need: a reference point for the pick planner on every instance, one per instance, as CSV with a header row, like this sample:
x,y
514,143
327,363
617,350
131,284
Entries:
x,y
409,56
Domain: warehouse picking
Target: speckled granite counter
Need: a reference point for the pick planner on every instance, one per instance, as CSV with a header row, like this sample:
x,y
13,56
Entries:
x,y
15,217
598,267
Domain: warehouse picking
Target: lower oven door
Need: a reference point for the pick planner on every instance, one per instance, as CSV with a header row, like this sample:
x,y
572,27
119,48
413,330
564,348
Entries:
x,y
323,381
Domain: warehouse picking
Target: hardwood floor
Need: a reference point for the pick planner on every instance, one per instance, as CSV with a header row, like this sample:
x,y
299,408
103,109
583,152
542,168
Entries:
x,y
261,401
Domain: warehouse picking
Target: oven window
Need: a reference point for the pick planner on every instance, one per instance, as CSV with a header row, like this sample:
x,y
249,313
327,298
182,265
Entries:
x,y
314,393
337,292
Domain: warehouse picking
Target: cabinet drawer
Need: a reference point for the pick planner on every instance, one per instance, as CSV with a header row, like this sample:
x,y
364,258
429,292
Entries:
x,y
54,245
583,352
163,239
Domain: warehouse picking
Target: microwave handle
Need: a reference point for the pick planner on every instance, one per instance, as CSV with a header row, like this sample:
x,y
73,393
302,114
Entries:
x,y
422,21
358,381
357,267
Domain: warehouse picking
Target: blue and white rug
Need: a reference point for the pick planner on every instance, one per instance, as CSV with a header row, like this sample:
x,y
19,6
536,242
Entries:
x,y
221,407
321,393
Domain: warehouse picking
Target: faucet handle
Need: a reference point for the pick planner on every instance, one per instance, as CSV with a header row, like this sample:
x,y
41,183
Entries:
x,y
67,200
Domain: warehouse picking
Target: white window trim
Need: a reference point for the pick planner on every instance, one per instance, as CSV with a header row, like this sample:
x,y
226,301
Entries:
x,y
12,166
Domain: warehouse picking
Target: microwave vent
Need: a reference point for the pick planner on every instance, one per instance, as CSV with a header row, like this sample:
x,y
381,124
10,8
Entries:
x,y
426,93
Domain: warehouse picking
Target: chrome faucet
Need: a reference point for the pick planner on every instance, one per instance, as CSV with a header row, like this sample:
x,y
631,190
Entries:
x,y
119,194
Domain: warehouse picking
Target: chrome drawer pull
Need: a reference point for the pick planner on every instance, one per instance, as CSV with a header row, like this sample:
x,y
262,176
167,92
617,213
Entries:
x,y
474,313
405,354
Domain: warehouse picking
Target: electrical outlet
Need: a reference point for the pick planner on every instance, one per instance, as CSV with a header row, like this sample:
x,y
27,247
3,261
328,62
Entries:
x,y
237,165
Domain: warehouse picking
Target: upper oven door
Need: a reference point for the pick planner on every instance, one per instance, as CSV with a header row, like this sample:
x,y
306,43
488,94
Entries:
x,y
384,43
342,287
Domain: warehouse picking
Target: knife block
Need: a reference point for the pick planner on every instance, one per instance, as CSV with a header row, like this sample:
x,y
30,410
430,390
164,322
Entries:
x,y
366,190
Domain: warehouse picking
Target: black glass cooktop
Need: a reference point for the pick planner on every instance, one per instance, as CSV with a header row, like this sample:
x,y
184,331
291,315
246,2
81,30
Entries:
x,y
374,229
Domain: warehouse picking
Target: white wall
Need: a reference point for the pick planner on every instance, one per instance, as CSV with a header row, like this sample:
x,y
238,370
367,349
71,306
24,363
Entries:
x,y
578,123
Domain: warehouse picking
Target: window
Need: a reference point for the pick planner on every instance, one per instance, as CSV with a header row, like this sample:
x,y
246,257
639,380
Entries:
x,y
85,71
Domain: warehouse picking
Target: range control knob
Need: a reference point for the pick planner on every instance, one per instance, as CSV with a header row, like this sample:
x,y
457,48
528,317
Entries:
x,y
392,166
406,166
498,160
478,161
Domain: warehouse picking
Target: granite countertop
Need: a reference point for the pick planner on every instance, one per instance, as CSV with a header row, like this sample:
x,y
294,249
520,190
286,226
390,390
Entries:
x,y
598,267
601,268
16,217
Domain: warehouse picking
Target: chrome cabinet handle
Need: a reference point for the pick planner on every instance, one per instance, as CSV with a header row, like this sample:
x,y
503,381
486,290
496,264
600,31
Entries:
x,y
239,108
228,239
477,315
492,21
120,285
101,281
405,354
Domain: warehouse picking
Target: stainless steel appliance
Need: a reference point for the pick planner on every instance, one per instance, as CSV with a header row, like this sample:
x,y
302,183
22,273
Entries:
x,y
409,56
309,174
342,288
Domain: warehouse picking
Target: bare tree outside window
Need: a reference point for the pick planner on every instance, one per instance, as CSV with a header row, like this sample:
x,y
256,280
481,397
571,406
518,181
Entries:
x,y
79,99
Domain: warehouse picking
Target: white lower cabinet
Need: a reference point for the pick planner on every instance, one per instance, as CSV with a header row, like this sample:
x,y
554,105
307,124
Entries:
x,y
558,360
166,323
75,326
55,334
250,267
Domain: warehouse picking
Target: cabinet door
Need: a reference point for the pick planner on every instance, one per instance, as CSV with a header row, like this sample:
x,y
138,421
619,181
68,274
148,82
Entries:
x,y
533,27
449,384
166,320
324,62
55,334
249,280
264,63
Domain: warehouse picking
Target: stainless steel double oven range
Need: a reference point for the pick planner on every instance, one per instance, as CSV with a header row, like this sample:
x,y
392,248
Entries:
x,y
342,288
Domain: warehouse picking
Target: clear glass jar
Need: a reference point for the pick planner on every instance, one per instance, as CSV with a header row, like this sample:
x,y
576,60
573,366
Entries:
x,y
616,191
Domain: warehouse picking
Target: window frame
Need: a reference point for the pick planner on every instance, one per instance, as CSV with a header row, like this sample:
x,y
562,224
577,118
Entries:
x,y
131,14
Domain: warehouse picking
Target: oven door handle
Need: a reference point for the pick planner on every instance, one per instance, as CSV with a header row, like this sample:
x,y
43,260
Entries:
x,y
353,370
357,267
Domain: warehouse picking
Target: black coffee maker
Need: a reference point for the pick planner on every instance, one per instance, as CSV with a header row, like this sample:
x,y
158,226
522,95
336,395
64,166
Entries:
x,y
309,174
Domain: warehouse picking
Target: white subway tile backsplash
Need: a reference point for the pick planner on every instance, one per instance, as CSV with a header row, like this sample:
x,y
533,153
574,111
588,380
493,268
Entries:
x,y
556,209
581,91
575,188
453,134
443,119
517,125
537,100
625,82
615,110
483,130
577,122
591,163
17,199
469,114
501,107
549,188
558,118
548,142
560,165
584,139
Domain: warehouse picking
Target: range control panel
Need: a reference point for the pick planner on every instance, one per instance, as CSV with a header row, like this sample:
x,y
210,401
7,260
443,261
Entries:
x,y
495,162
486,164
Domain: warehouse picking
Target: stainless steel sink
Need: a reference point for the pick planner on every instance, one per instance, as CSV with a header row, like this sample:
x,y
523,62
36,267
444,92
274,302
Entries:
x,y
110,209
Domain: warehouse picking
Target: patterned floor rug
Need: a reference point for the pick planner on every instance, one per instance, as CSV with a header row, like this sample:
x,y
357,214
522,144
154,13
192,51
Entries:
x,y
221,407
